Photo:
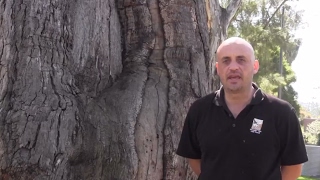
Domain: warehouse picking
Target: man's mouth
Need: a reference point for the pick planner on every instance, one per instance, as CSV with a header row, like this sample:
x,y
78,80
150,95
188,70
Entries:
x,y
234,77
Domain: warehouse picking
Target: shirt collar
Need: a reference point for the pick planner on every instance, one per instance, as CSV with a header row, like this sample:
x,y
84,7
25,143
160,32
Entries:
x,y
258,96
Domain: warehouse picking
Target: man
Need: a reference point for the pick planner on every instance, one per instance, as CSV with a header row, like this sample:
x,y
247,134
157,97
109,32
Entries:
x,y
238,132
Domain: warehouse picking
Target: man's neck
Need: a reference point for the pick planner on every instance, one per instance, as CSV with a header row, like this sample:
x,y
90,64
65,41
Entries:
x,y
241,99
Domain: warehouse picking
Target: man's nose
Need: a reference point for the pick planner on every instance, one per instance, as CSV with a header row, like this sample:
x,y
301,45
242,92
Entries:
x,y
233,66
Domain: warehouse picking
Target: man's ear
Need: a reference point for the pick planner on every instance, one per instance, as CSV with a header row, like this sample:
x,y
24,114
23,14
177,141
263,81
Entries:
x,y
256,66
217,68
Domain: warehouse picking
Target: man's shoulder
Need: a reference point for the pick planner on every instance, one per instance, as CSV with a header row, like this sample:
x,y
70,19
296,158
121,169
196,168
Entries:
x,y
277,103
202,103
205,100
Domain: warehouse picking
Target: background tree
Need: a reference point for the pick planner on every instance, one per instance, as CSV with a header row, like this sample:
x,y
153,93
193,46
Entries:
x,y
312,134
313,108
99,89
260,23
304,113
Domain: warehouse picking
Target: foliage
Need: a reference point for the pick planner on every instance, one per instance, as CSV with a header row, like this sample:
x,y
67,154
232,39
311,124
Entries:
x,y
307,178
312,134
314,127
253,22
313,108
310,138
304,113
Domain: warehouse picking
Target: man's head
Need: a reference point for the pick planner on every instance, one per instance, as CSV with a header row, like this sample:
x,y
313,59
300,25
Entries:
x,y
236,64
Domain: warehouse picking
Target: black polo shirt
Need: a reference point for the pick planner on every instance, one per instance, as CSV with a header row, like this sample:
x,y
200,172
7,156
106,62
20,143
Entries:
x,y
264,136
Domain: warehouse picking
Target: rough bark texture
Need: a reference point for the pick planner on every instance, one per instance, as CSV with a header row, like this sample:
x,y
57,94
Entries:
x,y
96,89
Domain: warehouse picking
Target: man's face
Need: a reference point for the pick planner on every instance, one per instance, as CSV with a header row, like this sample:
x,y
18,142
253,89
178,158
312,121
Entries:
x,y
236,66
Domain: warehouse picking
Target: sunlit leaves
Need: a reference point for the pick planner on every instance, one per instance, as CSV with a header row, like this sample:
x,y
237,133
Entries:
x,y
312,134
314,127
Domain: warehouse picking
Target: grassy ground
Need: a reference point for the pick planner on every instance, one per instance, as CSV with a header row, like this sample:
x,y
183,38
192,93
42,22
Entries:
x,y
307,178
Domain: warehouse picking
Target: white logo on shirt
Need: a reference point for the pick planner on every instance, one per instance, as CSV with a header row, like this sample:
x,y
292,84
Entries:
x,y
256,126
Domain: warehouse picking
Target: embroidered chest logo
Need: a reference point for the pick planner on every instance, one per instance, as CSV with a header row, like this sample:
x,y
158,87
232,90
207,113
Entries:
x,y
256,126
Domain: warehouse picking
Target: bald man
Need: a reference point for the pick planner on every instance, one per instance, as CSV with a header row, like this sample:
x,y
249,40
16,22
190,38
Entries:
x,y
239,132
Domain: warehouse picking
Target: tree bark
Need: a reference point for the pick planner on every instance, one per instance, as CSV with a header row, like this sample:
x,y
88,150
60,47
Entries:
x,y
99,89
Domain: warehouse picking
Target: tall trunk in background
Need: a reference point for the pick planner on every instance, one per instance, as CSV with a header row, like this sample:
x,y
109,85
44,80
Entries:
x,y
99,89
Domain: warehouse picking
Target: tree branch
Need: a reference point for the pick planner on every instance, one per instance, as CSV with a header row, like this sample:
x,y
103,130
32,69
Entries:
x,y
232,9
265,26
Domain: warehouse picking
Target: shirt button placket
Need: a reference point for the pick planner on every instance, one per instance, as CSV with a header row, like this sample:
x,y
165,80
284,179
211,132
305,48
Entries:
x,y
231,117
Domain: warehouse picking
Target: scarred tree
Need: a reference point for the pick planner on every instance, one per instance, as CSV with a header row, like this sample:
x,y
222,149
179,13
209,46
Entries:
x,y
99,89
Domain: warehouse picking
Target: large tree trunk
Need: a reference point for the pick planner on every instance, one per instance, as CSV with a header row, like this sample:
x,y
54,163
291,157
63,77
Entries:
x,y
98,89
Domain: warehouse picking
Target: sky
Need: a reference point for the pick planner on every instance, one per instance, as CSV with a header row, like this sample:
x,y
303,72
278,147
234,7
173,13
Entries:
x,y
307,63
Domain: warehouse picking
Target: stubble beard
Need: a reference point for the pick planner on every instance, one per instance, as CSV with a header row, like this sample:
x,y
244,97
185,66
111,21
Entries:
x,y
234,89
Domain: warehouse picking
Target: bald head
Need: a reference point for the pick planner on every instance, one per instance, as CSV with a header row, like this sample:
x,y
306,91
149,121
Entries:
x,y
237,42
236,64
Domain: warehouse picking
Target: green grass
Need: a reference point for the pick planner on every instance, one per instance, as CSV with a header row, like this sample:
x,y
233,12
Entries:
x,y
307,178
